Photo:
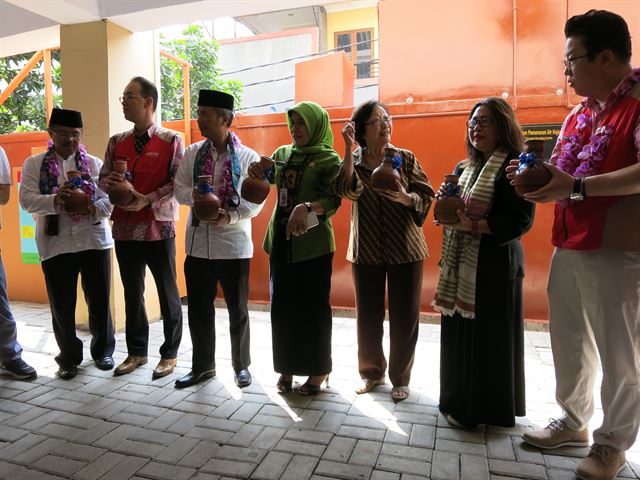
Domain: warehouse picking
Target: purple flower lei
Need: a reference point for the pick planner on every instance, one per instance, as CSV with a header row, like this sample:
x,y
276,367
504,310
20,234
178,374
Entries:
x,y
230,166
584,160
82,163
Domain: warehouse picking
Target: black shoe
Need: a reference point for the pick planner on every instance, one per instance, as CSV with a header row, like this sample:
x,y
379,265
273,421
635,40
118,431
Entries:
x,y
67,373
192,378
105,363
243,378
19,369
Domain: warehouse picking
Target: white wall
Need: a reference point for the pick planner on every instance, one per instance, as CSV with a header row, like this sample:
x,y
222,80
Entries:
x,y
253,52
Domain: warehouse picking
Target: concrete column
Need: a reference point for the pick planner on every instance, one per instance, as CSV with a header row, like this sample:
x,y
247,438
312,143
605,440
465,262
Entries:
x,y
98,59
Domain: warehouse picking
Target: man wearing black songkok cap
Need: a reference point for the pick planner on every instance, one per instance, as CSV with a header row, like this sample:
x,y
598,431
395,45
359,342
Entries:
x,y
218,251
71,244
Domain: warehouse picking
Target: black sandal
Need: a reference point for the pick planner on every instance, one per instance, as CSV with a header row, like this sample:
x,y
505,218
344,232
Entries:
x,y
309,388
284,383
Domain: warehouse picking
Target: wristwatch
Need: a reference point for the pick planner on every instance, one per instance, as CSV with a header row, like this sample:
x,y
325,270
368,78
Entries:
x,y
308,205
577,193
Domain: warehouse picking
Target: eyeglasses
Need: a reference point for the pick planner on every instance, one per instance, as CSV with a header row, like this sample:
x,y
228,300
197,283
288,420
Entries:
x,y
569,61
127,98
379,121
482,121
71,136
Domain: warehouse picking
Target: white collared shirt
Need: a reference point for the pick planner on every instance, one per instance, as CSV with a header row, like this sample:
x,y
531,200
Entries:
x,y
223,242
91,232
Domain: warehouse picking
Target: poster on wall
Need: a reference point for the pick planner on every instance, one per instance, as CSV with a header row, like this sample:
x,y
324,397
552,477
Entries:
x,y
548,132
28,248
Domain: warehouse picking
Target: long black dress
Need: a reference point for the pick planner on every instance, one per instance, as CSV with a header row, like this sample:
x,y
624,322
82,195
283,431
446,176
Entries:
x,y
482,359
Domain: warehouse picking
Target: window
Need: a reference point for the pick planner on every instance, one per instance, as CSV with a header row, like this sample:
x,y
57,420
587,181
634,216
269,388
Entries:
x,y
360,42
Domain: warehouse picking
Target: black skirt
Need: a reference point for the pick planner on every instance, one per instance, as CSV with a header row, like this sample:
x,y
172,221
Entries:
x,y
301,320
482,359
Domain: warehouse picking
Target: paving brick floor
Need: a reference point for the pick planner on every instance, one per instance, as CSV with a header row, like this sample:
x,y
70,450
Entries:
x,y
100,427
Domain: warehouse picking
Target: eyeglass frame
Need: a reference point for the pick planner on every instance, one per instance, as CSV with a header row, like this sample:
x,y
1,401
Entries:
x,y
569,61
483,122
379,121
72,136
129,97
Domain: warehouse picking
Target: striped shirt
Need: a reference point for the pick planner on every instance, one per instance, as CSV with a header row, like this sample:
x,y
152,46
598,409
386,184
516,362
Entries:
x,y
384,232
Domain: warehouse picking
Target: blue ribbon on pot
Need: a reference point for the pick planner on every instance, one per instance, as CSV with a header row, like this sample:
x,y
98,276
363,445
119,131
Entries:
x,y
204,188
527,160
397,162
76,182
453,190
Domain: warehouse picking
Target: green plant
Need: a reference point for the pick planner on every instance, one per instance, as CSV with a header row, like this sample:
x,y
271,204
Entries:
x,y
202,53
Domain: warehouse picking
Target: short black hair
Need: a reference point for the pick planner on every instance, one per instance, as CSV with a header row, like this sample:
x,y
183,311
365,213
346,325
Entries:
x,y
147,89
601,30
361,116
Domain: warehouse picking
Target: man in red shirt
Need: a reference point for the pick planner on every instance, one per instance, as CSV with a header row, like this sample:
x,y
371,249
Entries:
x,y
594,280
144,229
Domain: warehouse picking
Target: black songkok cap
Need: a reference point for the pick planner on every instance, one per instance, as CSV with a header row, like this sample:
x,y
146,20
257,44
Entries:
x,y
65,118
213,98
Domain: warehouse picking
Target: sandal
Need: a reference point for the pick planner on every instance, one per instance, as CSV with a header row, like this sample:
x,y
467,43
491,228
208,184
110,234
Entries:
x,y
309,388
284,383
369,384
400,393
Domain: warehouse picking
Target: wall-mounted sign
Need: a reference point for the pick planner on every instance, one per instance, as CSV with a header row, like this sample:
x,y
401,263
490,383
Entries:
x,y
28,248
543,131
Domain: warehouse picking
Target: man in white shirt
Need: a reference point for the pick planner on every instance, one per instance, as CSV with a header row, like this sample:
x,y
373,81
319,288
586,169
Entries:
x,y
71,244
10,350
218,250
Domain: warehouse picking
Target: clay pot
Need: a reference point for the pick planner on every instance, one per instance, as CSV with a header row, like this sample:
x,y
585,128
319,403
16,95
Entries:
x,y
255,190
77,203
206,206
120,193
530,179
446,207
384,176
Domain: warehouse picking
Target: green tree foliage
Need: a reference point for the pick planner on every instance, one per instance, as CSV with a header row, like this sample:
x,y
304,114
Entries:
x,y
24,110
202,53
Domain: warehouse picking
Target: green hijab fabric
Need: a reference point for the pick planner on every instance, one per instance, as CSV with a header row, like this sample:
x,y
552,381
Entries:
x,y
316,119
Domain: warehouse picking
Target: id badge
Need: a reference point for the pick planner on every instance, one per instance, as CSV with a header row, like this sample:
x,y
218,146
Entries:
x,y
283,197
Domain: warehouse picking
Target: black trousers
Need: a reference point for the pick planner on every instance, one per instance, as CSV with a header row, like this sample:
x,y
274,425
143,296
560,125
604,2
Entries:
x,y
202,276
61,278
160,257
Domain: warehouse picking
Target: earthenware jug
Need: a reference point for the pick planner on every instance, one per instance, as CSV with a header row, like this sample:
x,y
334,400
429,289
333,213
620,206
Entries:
x,y
255,190
447,205
385,175
77,203
206,204
120,193
531,174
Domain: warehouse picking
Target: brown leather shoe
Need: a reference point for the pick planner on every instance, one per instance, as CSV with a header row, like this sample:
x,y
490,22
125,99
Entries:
x,y
164,368
130,364
555,435
602,463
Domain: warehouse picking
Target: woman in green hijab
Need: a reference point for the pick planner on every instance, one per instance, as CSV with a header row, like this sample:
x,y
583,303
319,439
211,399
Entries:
x,y
300,245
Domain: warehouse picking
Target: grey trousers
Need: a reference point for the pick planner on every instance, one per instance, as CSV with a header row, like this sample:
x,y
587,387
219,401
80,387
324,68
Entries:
x,y
594,314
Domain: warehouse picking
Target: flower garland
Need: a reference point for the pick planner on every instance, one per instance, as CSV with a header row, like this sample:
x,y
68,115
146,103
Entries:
x,y
230,171
49,172
584,160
